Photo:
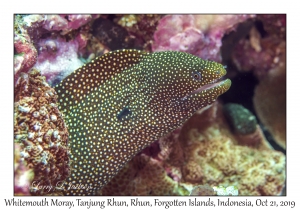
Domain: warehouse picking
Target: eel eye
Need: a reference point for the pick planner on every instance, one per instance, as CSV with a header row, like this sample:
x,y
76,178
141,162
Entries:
x,y
197,76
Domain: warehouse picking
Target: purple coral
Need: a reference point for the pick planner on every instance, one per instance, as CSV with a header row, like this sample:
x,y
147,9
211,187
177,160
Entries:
x,y
261,54
26,54
66,23
58,58
55,23
200,35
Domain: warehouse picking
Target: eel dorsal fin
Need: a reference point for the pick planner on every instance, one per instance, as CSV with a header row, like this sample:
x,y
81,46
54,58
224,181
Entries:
x,y
92,75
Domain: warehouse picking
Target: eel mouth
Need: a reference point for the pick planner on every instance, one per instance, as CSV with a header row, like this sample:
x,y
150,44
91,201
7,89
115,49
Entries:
x,y
218,83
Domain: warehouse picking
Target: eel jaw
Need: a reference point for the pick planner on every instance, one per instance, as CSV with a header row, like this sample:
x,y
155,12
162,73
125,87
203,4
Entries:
x,y
199,98
213,84
222,86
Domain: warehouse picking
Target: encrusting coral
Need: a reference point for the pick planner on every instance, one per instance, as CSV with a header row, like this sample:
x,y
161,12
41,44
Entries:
x,y
40,132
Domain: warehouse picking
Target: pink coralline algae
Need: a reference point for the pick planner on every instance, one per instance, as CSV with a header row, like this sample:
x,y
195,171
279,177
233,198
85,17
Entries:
x,y
55,23
274,24
66,23
58,58
53,55
259,55
200,35
37,25
25,54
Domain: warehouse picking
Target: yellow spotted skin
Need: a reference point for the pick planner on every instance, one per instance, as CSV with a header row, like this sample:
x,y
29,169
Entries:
x,y
121,102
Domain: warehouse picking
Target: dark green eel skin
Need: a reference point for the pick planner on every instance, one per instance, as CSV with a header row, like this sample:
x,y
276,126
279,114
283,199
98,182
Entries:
x,y
123,101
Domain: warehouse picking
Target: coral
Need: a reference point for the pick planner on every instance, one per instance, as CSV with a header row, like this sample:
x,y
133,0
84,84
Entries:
x,y
200,35
54,55
23,175
128,20
230,190
29,29
38,25
66,23
225,163
57,58
55,22
142,27
274,24
253,172
25,54
112,35
34,25
76,21
259,56
210,156
40,131
270,104
203,190
255,139
192,172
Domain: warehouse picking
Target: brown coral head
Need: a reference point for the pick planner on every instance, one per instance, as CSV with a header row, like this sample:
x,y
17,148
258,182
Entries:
x,y
40,130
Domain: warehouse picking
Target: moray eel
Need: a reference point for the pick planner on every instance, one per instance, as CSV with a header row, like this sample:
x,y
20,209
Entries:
x,y
124,100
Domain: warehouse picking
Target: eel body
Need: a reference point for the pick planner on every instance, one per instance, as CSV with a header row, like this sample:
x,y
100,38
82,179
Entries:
x,y
123,101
